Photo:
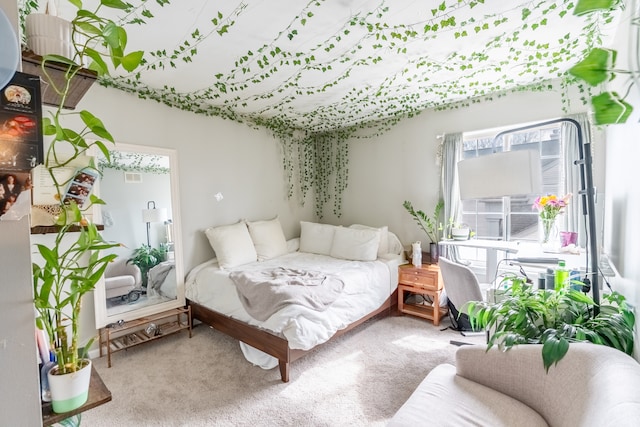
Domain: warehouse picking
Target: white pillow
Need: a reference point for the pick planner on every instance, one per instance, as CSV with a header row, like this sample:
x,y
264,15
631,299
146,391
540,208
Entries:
x,y
268,238
316,238
355,245
383,247
232,244
293,245
395,246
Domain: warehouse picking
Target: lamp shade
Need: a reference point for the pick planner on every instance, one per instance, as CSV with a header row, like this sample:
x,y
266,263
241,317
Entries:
x,y
154,215
508,173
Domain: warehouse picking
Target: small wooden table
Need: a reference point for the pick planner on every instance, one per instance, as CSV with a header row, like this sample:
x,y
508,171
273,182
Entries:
x,y
98,394
425,280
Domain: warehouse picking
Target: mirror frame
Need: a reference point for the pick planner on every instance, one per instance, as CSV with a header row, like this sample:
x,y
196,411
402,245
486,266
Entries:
x,y
101,315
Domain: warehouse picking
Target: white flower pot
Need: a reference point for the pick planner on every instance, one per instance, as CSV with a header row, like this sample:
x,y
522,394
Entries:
x,y
69,391
49,35
460,233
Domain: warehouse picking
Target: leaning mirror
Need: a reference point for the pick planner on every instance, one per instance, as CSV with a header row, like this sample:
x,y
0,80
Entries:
x,y
140,187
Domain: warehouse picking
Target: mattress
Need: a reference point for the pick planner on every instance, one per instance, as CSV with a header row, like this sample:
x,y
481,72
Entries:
x,y
368,284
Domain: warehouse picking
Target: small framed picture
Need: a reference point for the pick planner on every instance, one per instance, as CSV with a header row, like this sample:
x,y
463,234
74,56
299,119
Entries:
x,y
21,146
21,141
80,187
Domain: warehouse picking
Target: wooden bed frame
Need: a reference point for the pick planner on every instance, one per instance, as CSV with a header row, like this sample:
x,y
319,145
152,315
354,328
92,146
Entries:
x,y
274,345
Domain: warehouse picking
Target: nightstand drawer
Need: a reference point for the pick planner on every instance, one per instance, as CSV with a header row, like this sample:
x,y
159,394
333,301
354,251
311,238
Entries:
x,y
427,276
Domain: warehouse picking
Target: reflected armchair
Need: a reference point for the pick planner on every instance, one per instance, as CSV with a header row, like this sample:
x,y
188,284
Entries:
x,y
121,279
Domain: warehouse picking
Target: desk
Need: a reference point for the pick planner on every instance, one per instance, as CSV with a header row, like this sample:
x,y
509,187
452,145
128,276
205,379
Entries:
x,y
492,247
98,394
522,249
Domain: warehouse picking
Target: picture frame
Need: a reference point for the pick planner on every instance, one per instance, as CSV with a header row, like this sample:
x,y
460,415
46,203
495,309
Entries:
x,y
21,140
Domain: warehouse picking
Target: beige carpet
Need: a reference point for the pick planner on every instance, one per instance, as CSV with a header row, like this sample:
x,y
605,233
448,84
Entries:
x,y
360,379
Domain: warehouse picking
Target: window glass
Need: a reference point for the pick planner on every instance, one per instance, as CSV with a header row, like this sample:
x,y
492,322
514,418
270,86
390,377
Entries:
x,y
513,218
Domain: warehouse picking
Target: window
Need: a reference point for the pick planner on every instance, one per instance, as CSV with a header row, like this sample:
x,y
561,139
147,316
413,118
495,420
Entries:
x,y
512,218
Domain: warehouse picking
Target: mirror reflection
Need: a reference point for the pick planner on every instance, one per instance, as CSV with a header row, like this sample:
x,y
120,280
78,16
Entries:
x,y
137,186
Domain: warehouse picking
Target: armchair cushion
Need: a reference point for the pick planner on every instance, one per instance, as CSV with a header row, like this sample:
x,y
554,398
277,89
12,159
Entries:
x,y
456,401
592,386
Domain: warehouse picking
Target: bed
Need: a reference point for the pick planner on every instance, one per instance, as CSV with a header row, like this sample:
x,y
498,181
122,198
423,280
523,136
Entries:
x,y
366,267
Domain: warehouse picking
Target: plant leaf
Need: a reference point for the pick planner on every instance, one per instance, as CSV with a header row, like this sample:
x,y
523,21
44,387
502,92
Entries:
x,y
596,67
588,6
554,349
609,109
131,61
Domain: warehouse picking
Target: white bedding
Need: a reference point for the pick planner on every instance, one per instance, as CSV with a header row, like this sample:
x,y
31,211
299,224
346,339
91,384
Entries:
x,y
367,285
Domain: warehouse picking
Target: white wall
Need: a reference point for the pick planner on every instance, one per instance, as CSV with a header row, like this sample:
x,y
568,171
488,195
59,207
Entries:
x,y
213,155
622,228
401,164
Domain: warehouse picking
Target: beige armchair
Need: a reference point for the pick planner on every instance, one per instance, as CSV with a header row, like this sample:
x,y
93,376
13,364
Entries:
x,y
592,386
121,279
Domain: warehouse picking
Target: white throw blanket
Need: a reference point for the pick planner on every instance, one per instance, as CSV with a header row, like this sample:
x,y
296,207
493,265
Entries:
x,y
264,292
158,274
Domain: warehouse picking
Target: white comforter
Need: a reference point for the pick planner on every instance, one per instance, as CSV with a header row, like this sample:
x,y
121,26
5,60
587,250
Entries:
x,y
367,286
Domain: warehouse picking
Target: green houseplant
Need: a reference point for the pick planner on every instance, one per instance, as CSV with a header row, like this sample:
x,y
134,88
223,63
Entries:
x,y
430,225
72,265
145,258
553,318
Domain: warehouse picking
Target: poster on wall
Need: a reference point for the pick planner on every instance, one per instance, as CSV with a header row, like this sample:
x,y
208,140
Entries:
x,y
21,144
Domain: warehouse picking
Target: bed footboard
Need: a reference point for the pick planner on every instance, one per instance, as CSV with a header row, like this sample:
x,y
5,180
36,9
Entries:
x,y
271,344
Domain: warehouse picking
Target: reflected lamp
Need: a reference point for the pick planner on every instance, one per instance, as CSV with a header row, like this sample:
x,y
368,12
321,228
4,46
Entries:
x,y
153,214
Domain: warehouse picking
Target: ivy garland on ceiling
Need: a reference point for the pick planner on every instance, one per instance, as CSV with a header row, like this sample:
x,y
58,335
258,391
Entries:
x,y
314,143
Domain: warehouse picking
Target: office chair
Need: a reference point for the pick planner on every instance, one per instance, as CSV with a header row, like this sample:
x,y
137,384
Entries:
x,y
461,286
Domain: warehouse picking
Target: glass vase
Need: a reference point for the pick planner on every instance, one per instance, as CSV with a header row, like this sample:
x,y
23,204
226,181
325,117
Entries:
x,y
549,237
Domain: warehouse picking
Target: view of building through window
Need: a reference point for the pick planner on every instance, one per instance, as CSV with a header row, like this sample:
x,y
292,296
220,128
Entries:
x,y
512,218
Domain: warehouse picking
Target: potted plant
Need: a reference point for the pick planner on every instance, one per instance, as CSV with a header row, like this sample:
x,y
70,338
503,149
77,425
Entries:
x,y
145,258
554,318
430,225
65,276
72,265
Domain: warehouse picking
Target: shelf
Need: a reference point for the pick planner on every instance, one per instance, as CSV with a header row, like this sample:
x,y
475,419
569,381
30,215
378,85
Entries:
x,y
98,395
80,84
133,333
424,311
52,229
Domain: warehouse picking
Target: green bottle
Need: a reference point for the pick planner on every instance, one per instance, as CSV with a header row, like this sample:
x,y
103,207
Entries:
x,y
561,276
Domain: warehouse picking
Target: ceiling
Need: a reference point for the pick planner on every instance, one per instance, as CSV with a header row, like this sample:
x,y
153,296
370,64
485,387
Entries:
x,y
326,65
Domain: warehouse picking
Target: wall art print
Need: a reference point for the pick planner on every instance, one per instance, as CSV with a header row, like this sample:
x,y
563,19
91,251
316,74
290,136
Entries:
x,y
21,143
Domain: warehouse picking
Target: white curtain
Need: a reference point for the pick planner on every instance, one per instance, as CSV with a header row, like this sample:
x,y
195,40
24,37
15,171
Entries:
x,y
451,154
574,219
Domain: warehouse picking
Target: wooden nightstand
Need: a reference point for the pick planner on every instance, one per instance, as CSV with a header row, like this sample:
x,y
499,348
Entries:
x,y
426,280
